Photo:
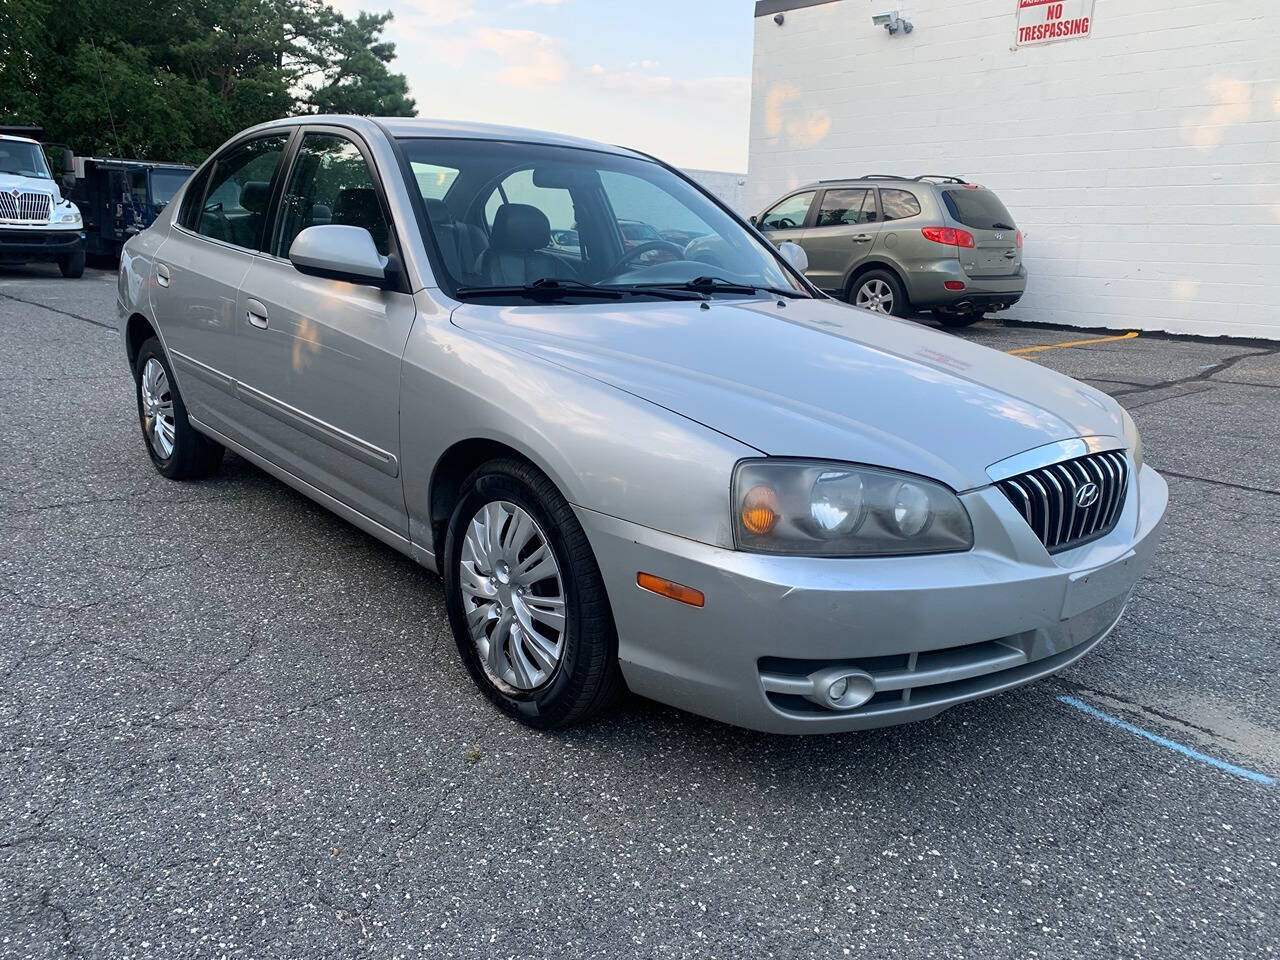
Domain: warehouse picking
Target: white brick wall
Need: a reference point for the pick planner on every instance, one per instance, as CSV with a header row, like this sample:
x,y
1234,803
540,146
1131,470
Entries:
x,y
1142,163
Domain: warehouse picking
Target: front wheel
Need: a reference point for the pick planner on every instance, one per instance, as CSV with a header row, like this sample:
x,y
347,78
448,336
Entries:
x,y
880,292
72,265
526,600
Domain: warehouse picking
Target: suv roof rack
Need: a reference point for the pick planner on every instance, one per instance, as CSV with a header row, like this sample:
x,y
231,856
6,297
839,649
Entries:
x,y
939,176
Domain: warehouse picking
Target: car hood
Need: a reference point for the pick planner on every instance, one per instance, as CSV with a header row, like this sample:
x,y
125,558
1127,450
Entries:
x,y
815,378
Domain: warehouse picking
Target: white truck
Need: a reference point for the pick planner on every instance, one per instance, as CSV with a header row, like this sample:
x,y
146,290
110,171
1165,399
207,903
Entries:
x,y
37,224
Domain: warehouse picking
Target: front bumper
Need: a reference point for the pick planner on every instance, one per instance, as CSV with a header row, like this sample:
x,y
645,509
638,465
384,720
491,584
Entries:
x,y
31,244
934,631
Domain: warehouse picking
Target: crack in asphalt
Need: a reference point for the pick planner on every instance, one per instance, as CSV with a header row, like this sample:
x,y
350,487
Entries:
x,y
66,313
1207,374
1218,483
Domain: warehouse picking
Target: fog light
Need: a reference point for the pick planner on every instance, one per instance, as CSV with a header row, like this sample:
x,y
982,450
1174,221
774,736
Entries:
x,y
841,688
953,284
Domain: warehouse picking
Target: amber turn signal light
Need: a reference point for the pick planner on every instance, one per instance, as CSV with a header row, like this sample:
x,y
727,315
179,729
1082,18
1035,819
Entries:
x,y
760,510
670,589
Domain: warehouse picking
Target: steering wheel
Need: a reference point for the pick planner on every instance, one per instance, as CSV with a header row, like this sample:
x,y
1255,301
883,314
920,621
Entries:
x,y
783,223
646,247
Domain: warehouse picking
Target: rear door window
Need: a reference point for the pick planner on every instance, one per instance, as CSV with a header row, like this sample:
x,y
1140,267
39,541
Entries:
x,y
899,204
846,207
235,208
331,183
978,208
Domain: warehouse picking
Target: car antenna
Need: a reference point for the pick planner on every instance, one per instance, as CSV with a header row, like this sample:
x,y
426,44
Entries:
x,y
106,99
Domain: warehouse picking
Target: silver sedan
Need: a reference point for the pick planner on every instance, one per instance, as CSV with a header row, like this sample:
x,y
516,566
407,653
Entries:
x,y
667,464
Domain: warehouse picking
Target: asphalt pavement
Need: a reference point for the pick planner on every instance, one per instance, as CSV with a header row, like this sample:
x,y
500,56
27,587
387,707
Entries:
x,y
232,725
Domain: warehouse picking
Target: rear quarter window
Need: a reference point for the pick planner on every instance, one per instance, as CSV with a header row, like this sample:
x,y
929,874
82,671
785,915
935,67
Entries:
x,y
980,209
899,204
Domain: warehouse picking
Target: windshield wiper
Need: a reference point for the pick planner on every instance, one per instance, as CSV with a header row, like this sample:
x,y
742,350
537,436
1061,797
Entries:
x,y
544,287
708,284
1002,226
548,288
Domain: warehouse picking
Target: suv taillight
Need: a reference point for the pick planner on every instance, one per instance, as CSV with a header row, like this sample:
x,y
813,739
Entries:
x,y
948,235
1019,239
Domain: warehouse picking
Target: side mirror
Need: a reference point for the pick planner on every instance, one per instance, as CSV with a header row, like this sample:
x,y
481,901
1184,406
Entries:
x,y
340,252
794,254
68,181
754,220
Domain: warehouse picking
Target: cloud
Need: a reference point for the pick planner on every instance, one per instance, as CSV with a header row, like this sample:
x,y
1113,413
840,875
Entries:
x,y
433,13
532,59
645,83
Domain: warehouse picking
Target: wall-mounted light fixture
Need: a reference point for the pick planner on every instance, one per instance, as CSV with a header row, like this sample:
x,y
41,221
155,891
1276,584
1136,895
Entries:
x,y
778,18
892,22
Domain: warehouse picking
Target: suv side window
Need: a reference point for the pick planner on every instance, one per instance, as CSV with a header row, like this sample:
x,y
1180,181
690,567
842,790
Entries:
x,y
846,207
235,209
788,214
898,204
330,183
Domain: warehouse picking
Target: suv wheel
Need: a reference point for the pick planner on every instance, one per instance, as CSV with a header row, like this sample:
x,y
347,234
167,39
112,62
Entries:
x,y
526,600
880,292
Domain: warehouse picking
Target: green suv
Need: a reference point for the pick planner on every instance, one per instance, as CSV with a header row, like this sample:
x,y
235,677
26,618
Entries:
x,y
901,245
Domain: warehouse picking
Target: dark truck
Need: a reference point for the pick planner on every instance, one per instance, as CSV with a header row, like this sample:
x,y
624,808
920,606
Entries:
x,y
118,198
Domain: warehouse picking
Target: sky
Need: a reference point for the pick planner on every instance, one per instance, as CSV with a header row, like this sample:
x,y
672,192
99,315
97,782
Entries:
x,y
666,77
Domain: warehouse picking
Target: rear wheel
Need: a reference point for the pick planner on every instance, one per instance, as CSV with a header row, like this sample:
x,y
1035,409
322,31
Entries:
x,y
72,265
526,600
880,292
957,320
176,449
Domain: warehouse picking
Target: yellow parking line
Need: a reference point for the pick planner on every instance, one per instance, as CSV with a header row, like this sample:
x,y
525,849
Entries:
x,y
1074,343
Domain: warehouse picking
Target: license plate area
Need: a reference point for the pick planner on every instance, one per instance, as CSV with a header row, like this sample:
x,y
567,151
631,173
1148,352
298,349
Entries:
x,y
1090,588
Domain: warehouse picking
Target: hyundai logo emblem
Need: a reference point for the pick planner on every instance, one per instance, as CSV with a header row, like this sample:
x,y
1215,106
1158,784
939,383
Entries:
x,y
1087,496
999,236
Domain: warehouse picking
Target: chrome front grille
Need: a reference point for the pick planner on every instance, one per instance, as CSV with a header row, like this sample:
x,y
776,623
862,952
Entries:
x,y
25,207
1071,502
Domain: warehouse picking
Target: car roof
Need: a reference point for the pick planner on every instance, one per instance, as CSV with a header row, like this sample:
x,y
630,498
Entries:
x,y
458,129
880,179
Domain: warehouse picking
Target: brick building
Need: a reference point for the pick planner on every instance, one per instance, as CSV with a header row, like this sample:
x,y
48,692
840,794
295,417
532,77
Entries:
x,y
1136,142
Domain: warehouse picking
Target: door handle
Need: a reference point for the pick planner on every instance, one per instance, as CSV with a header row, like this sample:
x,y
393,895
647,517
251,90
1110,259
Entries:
x,y
162,275
256,313
862,238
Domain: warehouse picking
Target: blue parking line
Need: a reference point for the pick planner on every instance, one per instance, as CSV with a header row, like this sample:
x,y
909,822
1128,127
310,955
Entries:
x,y
1175,747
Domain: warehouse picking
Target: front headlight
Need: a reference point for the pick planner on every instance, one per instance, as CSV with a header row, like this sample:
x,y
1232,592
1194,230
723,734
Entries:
x,y
829,509
66,215
1132,440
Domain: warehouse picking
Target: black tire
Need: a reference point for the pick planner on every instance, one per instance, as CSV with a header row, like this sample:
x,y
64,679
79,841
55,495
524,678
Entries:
x,y
72,265
194,455
901,306
587,680
957,320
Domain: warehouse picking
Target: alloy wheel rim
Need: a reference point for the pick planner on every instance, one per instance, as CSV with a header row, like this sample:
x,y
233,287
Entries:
x,y
157,408
875,295
513,596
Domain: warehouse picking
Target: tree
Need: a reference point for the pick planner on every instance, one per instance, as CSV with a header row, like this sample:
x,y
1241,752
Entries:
x,y
173,80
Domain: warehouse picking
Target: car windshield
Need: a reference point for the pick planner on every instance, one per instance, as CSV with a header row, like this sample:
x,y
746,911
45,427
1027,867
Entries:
x,y
978,208
23,159
165,183
521,220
